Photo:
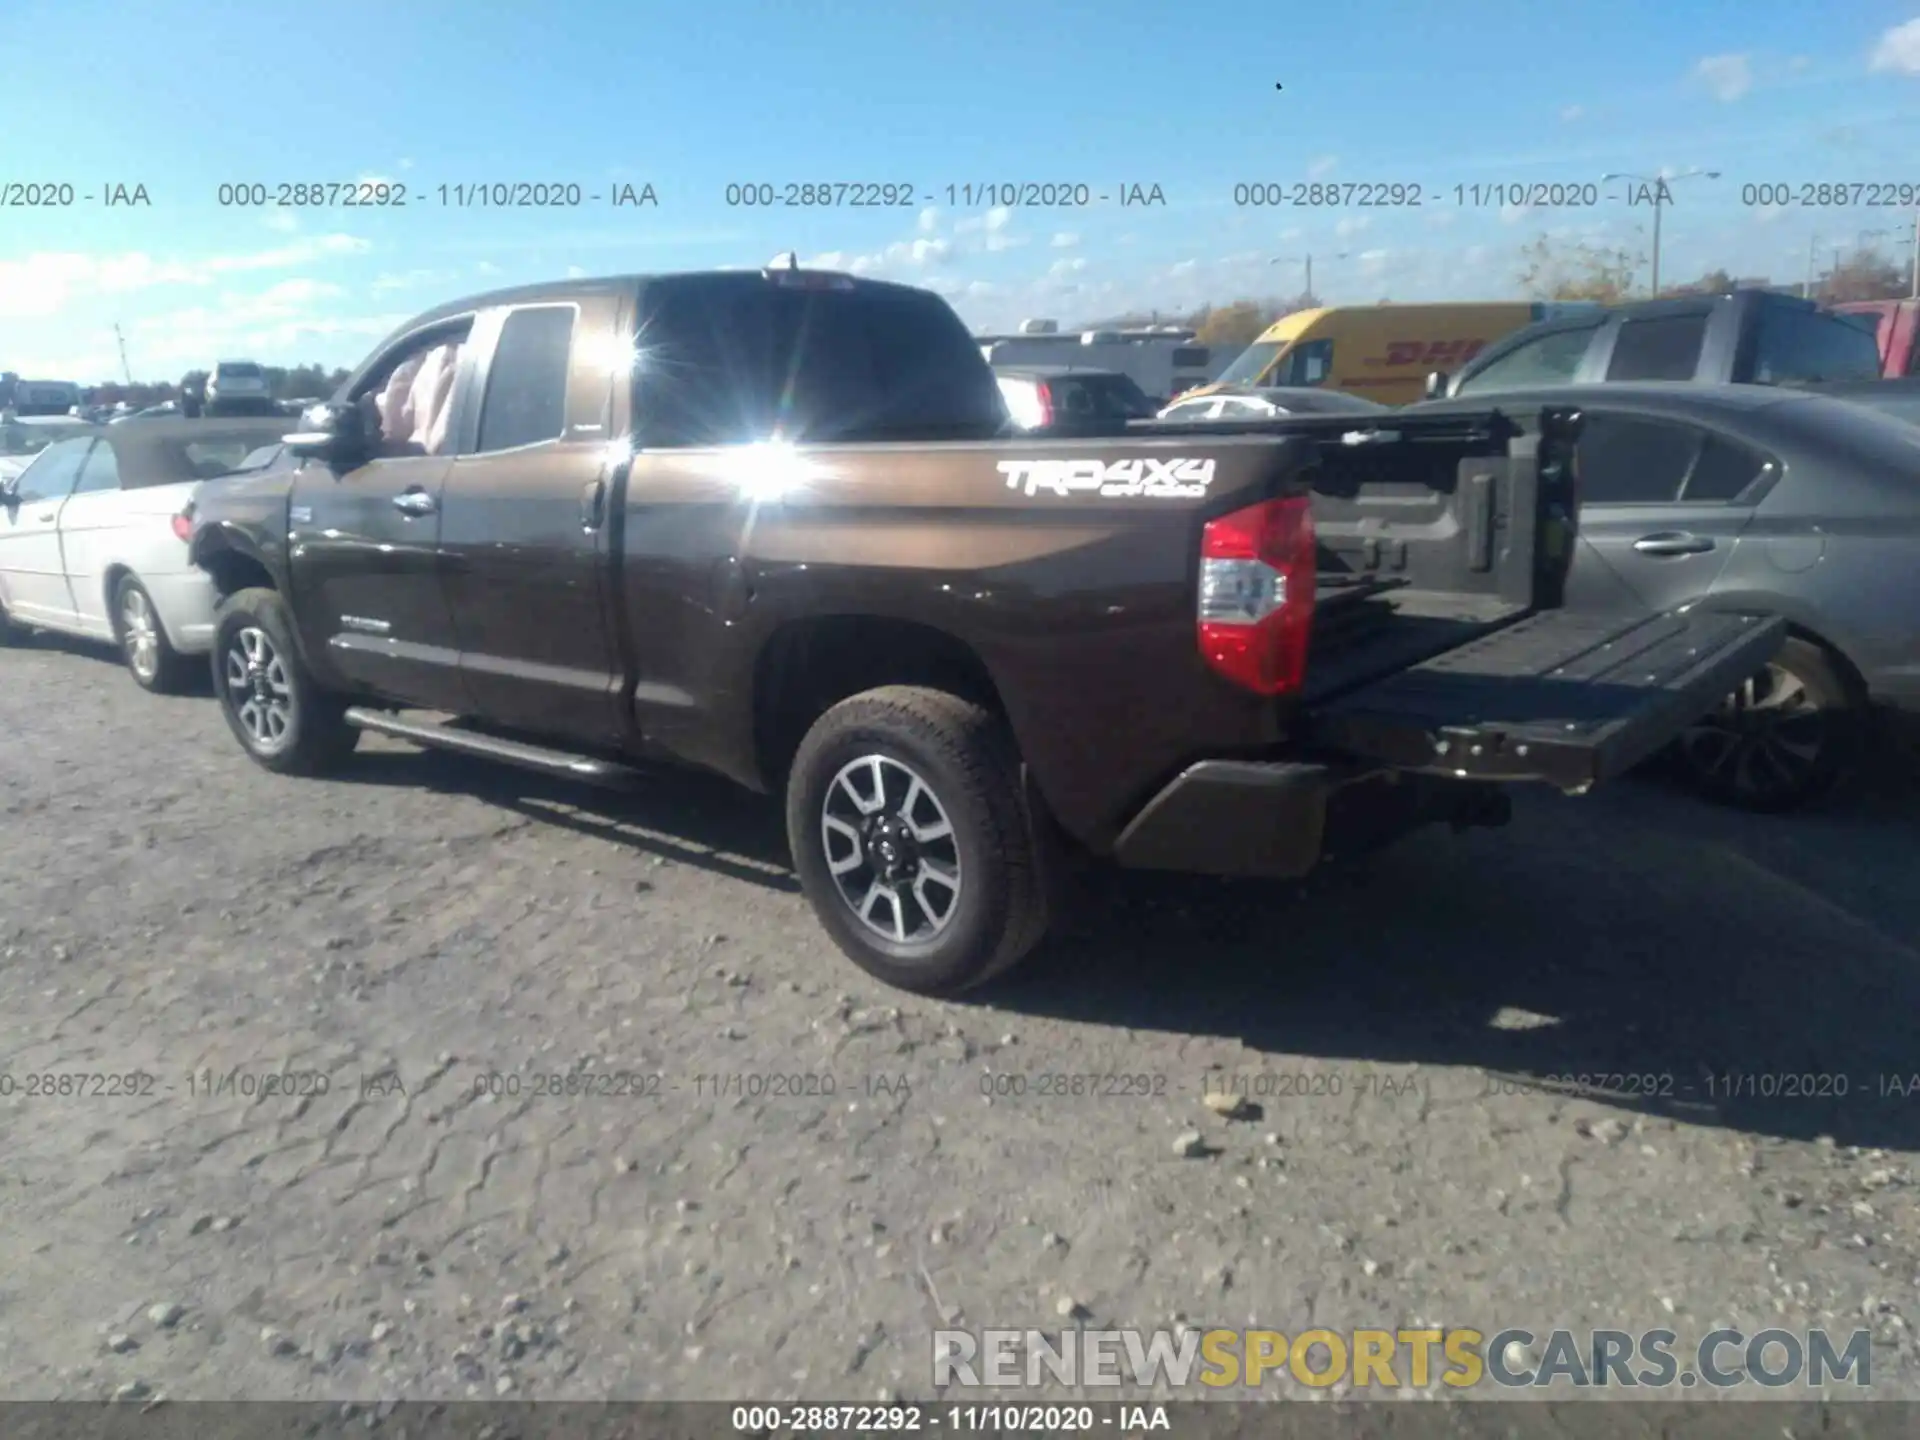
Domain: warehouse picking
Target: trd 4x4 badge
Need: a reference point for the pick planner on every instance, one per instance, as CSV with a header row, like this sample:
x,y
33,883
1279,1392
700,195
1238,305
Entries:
x,y
1121,479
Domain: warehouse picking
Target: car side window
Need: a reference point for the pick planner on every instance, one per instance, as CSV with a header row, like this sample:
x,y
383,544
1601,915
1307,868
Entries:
x,y
1796,345
1550,359
1663,347
1307,364
54,470
1625,460
407,398
1725,469
101,471
526,399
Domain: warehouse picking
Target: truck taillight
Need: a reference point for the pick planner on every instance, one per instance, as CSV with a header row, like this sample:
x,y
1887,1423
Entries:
x,y
183,524
1257,575
1043,393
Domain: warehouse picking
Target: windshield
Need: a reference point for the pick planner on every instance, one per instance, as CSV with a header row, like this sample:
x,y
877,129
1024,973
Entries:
x,y
1253,362
239,371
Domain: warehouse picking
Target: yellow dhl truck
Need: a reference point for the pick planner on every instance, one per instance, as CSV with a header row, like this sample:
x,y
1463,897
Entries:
x,y
1384,352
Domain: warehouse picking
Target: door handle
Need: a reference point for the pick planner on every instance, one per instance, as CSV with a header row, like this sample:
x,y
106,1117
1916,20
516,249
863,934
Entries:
x,y
415,502
593,505
48,515
1673,542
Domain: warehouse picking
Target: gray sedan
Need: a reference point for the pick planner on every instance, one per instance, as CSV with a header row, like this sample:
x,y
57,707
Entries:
x,y
1752,498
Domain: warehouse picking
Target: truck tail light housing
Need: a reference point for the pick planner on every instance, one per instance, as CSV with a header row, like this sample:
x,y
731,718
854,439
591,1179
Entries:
x,y
1257,576
1043,395
183,523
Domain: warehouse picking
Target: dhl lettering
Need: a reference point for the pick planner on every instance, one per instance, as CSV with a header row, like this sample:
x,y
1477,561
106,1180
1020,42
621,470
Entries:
x,y
1433,354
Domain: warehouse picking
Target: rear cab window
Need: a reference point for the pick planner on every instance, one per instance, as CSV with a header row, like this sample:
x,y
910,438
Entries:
x,y
1660,347
740,358
1796,346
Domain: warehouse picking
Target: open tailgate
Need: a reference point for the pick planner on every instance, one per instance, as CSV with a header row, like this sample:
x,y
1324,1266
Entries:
x,y
1565,697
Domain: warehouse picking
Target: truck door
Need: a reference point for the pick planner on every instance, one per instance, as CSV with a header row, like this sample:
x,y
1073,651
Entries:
x,y
524,530
365,539
1662,502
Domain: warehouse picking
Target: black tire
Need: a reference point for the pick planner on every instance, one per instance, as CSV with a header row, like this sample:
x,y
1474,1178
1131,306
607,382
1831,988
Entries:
x,y
150,657
964,759
257,670
1781,741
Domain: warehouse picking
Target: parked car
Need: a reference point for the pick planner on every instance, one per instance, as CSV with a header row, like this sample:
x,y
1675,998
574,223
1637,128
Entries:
x,y
92,542
1755,337
1050,396
1758,500
793,546
24,436
1270,402
231,380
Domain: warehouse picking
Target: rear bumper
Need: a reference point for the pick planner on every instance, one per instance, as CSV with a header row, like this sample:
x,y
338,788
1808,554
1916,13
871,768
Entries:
x,y
1279,820
185,601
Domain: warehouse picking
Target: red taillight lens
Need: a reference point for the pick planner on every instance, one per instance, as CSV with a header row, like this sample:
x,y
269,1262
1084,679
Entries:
x,y
1044,394
183,526
1256,594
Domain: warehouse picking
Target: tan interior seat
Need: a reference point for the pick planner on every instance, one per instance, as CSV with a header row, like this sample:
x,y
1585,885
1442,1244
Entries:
x,y
395,407
431,399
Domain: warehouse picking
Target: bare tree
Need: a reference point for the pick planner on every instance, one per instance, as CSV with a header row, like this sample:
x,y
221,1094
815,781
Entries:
x,y
1575,270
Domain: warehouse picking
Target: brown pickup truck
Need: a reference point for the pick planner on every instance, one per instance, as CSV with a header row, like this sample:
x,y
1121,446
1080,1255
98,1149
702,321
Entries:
x,y
774,524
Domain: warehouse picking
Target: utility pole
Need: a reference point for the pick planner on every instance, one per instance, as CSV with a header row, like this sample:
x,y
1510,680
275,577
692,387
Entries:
x,y
125,369
1916,255
1806,286
1660,197
1308,261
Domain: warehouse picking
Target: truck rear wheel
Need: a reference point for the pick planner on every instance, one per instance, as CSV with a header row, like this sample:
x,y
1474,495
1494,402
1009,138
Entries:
x,y
280,716
913,841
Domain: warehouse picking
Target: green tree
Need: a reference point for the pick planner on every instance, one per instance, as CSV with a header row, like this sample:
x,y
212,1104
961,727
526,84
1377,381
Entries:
x,y
1575,270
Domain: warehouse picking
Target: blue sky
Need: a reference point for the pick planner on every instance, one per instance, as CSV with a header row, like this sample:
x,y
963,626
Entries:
x,y
182,99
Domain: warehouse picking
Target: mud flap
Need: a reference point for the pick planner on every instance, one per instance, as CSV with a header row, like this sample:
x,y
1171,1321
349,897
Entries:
x,y
1564,697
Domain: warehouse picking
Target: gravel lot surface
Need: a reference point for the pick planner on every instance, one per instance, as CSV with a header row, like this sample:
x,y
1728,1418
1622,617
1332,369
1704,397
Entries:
x,y
424,930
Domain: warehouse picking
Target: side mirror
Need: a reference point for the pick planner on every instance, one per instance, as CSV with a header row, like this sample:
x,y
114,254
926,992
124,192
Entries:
x,y
1437,384
335,434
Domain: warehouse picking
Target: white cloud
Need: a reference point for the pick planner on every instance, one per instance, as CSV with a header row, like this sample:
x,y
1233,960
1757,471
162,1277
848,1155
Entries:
x,y
1068,266
1798,63
1292,232
1322,165
1441,219
406,164
1183,268
408,279
1353,225
1898,50
1065,240
47,281
1727,77
1514,214
376,180
1571,113
929,220
574,272
283,221
485,267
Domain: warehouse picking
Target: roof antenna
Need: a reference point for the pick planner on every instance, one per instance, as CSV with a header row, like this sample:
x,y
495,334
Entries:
x,y
793,260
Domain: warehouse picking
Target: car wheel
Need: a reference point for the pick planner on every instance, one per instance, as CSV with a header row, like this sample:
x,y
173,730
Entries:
x,y
278,713
913,840
150,656
1781,740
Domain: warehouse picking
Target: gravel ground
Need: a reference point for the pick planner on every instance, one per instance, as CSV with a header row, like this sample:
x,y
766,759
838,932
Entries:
x,y
424,929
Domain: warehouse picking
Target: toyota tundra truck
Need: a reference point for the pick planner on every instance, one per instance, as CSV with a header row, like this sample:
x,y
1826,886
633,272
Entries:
x,y
775,524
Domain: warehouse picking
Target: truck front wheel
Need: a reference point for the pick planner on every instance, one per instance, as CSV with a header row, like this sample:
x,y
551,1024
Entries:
x,y
913,841
278,713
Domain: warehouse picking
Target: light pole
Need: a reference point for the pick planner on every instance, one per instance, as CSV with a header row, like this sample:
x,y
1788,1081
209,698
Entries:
x,y
1659,183
1308,261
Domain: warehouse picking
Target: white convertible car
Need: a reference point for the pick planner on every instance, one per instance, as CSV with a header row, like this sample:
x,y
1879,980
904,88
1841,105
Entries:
x,y
93,541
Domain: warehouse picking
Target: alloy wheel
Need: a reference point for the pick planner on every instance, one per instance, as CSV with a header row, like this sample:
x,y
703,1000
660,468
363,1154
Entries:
x,y
890,848
140,633
258,689
1769,738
